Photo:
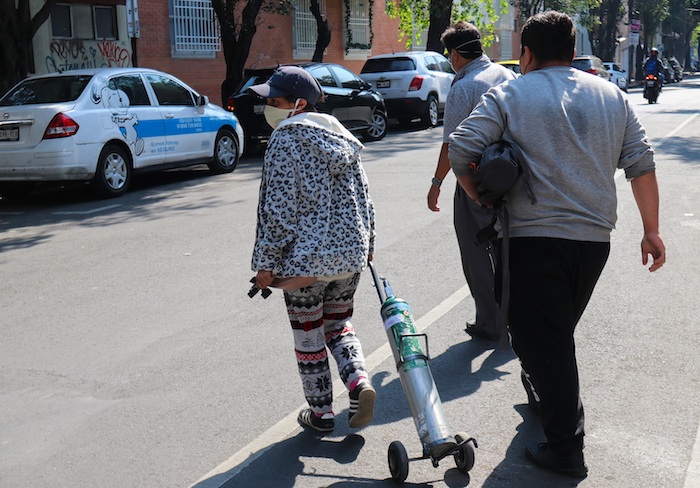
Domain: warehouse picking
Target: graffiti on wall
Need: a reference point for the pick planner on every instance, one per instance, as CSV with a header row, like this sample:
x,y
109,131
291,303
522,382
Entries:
x,y
67,54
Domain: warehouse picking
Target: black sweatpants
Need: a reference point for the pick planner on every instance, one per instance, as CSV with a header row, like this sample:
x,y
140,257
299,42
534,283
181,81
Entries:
x,y
551,282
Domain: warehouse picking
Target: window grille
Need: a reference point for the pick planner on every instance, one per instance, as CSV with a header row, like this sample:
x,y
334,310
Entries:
x,y
305,30
196,29
358,23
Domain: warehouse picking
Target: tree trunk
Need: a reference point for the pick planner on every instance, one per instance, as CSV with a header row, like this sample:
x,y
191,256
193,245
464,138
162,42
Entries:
x,y
323,38
440,13
235,45
16,32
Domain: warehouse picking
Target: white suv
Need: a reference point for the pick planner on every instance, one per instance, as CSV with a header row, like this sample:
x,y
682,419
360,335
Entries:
x,y
617,74
413,84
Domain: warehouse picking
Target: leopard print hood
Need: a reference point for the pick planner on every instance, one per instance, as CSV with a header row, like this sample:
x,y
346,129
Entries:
x,y
339,144
315,215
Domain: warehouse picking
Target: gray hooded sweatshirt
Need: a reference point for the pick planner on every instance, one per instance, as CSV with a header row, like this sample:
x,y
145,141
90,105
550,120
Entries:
x,y
575,130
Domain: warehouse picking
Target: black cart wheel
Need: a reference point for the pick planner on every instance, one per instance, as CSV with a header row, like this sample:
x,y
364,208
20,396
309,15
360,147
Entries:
x,y
464,458
398,462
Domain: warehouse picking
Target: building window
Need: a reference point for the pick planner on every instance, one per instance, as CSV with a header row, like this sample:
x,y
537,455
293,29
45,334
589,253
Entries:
x,y
195,30
305,30
105,22
357,33
61,24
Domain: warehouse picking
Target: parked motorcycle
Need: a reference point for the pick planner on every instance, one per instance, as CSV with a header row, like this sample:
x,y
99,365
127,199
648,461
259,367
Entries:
x,y
652,87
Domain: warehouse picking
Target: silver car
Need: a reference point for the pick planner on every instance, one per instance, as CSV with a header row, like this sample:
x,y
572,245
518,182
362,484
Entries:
x,y
414,84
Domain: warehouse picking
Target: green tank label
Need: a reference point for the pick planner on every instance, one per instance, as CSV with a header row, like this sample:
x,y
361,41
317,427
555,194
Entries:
x,y
398,322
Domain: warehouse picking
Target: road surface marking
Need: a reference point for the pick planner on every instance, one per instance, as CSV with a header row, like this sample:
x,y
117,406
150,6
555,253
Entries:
x,y
275,434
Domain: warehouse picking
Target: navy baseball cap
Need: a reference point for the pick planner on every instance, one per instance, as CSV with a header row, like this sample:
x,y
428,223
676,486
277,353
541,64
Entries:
x,y
290,80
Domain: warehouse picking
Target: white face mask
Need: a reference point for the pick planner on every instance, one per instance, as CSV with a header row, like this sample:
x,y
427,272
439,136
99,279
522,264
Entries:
x,y
274,115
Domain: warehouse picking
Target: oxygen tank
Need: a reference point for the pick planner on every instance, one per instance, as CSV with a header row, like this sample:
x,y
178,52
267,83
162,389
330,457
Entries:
x,y
416,379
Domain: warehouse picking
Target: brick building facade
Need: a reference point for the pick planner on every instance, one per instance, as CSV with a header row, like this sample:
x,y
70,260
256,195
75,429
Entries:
x,y
181,37
277,40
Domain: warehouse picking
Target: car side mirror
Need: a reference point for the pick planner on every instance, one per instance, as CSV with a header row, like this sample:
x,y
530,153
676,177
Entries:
x,y
202,100
365,85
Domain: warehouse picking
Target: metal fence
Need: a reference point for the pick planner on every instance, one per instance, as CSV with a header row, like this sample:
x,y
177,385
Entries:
x,y
196,29
358,23
305,31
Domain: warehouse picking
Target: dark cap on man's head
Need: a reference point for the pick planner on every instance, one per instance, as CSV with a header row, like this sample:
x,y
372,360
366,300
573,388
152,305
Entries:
x,y
290,80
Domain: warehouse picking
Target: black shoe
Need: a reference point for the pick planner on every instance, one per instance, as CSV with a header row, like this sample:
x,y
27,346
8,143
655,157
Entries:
x,y
569,465
480,333
361,405
322,424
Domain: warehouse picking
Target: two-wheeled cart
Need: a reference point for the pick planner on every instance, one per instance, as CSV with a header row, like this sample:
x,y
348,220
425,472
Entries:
x,y
410,351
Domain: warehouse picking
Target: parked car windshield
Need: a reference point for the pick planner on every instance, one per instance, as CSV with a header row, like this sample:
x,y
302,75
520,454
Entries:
x,y
46,90
582,64
388,64
254,79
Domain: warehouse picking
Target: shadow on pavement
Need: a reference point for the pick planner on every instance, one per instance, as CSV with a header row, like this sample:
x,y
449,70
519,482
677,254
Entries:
x,y
281,464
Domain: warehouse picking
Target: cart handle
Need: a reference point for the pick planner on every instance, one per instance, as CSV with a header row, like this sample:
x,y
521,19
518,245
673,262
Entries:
x,y
381,284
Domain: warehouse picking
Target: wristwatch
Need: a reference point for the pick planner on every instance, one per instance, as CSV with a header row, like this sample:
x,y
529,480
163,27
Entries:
x,y
437,181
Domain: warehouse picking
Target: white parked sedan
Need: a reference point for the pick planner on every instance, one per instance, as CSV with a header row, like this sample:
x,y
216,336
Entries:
x,y
617,74
102,125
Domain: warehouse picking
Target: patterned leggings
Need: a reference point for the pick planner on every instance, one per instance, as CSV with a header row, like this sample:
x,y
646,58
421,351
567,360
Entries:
x,y
320,317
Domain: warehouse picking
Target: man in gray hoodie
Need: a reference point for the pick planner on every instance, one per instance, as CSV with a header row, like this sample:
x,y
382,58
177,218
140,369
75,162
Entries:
x,y
575,130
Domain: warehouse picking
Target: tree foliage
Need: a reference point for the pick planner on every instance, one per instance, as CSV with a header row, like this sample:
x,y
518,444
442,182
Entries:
x,y
417,15
678,28
17,29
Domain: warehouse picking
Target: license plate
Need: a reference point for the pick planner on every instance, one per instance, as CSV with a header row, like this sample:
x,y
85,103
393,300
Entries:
x,y
11,134
651,83
383,83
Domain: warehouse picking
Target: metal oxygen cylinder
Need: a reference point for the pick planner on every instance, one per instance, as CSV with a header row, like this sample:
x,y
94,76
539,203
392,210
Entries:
x,y
416,379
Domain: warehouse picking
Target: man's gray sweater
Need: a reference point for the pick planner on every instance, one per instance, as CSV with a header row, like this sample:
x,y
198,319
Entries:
x,y
575,130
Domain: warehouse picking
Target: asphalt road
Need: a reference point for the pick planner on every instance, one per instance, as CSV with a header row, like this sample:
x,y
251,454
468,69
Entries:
x,y
131,355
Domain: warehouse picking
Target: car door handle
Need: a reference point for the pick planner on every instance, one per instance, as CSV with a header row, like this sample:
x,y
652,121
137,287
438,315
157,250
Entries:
x,y
169,116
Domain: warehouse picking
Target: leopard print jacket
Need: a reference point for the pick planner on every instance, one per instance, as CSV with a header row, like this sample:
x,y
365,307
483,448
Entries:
x,y
315,215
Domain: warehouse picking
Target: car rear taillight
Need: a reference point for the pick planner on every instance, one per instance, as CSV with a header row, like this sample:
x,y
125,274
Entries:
x,y
416,83
592,71
61,126
230,104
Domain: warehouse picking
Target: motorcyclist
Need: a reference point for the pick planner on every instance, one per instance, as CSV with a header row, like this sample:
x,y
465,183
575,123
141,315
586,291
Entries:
x,y
652,66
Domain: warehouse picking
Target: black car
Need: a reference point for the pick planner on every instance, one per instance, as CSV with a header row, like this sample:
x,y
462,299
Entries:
x,y
346,96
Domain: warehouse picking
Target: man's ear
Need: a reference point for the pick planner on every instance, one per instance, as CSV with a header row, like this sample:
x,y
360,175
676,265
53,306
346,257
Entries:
x,y
302,104
526,59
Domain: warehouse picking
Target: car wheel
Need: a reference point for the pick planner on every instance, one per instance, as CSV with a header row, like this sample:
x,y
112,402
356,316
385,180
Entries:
x,y
379,125
225,157
113,172
430,117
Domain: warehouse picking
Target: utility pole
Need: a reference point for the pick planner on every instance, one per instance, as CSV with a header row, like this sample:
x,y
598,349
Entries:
x,y
633,39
